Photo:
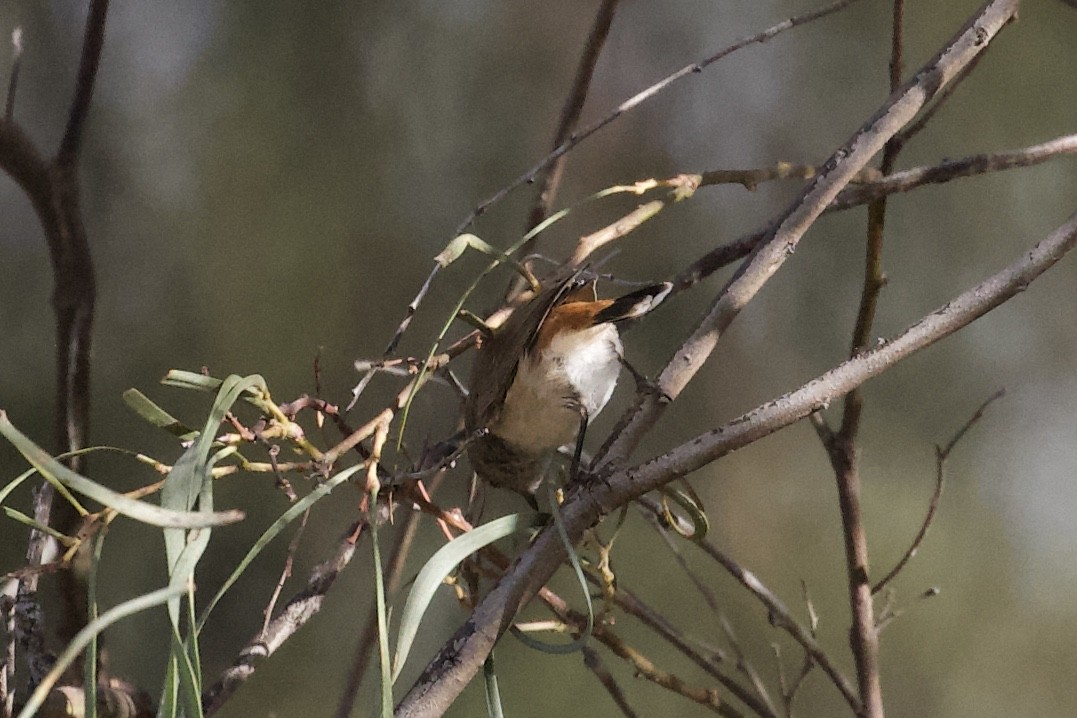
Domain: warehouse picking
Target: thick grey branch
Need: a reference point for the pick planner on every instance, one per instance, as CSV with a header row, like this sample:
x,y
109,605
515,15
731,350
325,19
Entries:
x,y
781,240
463,654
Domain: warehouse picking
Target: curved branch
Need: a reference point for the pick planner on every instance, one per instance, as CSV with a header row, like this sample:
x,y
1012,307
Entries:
x,y
53,190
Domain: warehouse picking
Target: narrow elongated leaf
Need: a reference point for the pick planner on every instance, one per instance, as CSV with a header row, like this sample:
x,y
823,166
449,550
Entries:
x,y
138,510
154,414
493,693
191,380
383,620
440,565
190,482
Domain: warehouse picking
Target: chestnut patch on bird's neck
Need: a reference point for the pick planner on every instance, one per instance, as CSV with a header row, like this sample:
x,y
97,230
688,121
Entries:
x,y
569,317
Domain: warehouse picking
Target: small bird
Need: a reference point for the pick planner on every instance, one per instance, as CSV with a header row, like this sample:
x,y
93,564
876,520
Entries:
x,y
540,377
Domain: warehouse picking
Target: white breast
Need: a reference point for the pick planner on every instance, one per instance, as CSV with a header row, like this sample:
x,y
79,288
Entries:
x,y
577,369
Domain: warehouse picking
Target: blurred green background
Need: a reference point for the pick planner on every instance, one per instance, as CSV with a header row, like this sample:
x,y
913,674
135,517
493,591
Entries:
x,y
265,183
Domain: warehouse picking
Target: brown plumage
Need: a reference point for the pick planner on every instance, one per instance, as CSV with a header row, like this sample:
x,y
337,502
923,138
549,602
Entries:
x,y
542,375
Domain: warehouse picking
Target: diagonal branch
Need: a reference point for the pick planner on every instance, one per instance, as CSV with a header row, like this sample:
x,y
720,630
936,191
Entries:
x,y
552,173
780,241
460,658
644,95
570,115
301,608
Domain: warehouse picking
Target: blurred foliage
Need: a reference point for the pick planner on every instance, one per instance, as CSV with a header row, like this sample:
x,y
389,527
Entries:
x,y
267,185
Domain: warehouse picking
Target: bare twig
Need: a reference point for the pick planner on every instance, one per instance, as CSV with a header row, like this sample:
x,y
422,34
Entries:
x,y
654,514
868,189
92,43
708,697
647,94
551,174
790,689
654,620
745,666
779,615
300,609
594,662
909,179
286,572
841,445
7,668
903,137
941,454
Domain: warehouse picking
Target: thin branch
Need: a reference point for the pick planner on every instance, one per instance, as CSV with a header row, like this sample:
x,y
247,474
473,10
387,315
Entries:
x,y
551,175
643,666
647,94
779,615
903,137
7,666
781,240
745,666
909,179
594,662
868,189
286,571
463,654
654,516
576,138
300,609
634,606
92,44
941,455
707,697
841,447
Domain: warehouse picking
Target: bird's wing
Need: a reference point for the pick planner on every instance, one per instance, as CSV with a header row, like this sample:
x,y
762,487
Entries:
x,y
500,354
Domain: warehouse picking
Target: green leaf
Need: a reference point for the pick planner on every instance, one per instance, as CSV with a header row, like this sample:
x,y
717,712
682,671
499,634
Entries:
x,y
191,380
89,661
383,621
54,471
440,565
493,694
190,483
154,414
